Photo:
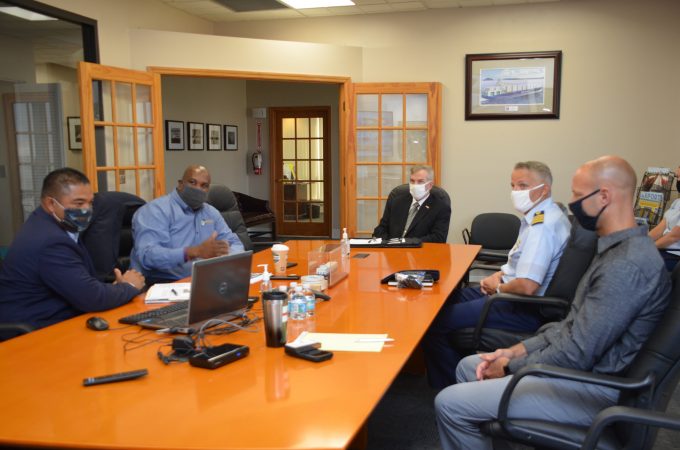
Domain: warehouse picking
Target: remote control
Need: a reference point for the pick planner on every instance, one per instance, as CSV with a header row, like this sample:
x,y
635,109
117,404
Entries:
x,y
123,376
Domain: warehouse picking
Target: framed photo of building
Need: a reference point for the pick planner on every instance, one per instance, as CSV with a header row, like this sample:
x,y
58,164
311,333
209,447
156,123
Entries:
x,y
231,137
214,135
174,135
513,85
196,135
75,136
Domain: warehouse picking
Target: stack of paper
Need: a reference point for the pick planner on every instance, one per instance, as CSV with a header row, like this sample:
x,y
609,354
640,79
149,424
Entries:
x,y
168,292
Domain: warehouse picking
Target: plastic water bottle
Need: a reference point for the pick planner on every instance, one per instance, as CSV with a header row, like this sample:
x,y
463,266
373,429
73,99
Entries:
x,y
310,299
297,305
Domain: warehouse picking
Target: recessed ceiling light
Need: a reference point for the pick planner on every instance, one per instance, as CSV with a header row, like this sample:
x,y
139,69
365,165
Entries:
x,y
24,13
305,4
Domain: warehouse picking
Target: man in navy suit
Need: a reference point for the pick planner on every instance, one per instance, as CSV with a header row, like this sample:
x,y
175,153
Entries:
x,y
48,275
416,210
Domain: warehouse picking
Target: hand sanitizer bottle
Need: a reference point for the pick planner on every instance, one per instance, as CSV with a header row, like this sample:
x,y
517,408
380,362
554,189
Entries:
x,y
266,279
344,243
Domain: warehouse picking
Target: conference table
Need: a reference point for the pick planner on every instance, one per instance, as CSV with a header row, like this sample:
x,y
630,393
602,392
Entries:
x,y
267,400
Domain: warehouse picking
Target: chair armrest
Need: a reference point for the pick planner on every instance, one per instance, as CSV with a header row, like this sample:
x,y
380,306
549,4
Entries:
x,y
493,267
21,328
514,298
495,254
616,382
617,413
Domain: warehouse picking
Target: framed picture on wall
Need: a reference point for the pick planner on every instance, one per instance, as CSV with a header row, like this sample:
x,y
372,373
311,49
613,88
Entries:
x,y
196,135
231,137
513,85
174,135
214,133
75,137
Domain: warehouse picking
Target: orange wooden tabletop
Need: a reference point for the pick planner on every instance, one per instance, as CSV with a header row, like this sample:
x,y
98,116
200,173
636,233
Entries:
x,y
267,400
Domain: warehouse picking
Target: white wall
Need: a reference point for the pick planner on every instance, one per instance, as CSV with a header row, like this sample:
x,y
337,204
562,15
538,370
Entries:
x,y
207,100
619,84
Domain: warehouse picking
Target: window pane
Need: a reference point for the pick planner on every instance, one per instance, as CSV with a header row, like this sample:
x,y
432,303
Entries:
x,y
288,128
39,117
24,149
390,178
391,146
126,149
21,117
316,127
316,148
146,182
289,170
302,127
289,211
367,215
303,193
106,180
392,110
316,191
303,170
128,182
303,149
289,149
145,145
101,100
416,146
289,191
367,181
143,100
103,137
367,146
316,211
367,110
416,110
123,102
317,170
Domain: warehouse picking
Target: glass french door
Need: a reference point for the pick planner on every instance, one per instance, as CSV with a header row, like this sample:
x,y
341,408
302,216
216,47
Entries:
x,y
394,127
121,130
301,172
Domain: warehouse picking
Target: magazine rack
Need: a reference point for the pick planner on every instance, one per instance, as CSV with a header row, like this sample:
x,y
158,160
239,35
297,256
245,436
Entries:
x,y
653,194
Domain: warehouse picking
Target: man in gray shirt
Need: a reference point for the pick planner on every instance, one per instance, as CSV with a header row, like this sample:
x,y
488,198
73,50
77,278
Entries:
x,y
617,304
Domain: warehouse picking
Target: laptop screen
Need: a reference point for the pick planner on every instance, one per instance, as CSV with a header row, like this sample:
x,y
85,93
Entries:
x,y
219,286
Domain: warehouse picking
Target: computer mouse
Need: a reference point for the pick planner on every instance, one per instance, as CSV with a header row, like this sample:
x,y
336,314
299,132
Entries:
x,y
97,324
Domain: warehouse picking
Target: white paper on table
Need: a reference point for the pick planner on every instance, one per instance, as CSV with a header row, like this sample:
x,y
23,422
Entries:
x,y
372,241
168,292
347,342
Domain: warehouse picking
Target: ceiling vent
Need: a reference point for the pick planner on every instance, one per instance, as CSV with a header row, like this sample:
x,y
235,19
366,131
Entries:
x,y
251,5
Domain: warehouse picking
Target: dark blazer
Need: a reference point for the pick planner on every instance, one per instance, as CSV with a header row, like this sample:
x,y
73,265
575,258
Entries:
x,y
47,277
431,224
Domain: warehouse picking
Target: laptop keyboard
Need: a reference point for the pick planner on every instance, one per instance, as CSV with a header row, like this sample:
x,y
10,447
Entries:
x,y
133,319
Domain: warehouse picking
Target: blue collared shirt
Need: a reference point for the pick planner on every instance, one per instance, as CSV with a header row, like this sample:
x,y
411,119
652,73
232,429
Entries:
x,y
543,235
164,227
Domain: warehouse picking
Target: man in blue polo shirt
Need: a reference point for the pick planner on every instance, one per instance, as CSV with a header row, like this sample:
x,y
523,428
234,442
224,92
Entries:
x,y
531,265
174,230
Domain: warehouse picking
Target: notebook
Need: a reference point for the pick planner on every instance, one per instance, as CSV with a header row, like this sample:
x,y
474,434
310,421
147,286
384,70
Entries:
x,y
219,290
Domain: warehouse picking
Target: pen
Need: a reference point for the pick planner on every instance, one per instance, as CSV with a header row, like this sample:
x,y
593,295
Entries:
x,y
174,292
375,340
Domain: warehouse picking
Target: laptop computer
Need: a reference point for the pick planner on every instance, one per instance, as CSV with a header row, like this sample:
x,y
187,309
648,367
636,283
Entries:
x,y
219,290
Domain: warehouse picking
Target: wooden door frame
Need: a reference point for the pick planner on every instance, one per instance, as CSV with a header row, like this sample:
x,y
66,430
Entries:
x,y
345,143
275,163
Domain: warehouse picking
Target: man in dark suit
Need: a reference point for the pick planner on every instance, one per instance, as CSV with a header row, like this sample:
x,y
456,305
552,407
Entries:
x,y
48,275
416,210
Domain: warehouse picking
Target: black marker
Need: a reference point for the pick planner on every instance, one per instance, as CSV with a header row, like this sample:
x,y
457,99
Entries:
x,y
123,376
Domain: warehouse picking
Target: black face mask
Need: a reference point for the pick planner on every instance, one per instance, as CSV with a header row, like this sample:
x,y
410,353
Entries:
x,y
677,185
586,221
75,219
193,197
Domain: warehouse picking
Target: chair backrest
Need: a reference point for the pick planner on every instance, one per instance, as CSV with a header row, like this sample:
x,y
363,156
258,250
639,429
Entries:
x,y
577,256
224,200
108,239
436,192
495,231
660,355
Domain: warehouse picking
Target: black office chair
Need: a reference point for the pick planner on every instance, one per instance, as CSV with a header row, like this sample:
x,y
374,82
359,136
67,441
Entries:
x,y
9,330
646,388
578,253
256,211
496,233
109,239
224,200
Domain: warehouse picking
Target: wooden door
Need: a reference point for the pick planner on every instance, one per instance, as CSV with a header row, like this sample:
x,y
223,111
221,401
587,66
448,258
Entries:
x,y
301,170
393,126
121,130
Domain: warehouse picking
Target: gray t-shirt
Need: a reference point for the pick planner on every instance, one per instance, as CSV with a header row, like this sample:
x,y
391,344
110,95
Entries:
x,y
617,304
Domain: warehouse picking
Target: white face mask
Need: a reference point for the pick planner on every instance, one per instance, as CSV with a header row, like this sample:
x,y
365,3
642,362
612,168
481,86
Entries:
x,y
418,191
522,201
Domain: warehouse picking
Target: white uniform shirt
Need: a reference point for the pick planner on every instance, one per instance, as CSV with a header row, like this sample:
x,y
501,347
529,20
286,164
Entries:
x,y
672,216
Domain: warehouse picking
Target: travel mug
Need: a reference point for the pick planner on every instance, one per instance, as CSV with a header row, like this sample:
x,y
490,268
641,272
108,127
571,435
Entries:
x,y
275,307
280,253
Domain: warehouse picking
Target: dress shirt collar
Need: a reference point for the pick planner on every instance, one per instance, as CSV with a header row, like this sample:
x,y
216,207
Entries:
x,y
542,206
606,242
421,201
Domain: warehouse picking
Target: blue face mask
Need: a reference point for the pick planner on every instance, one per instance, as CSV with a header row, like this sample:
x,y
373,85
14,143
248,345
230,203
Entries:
x,y
586,221
75,219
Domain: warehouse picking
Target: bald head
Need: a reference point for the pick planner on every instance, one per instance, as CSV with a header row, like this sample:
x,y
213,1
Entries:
x,y
606,187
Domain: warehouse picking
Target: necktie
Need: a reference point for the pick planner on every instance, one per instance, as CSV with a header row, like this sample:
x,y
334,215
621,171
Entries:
x,y
411,214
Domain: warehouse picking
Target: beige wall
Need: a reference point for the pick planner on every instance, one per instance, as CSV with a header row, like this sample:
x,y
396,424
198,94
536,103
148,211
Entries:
x,y
207,100
116,18
619,84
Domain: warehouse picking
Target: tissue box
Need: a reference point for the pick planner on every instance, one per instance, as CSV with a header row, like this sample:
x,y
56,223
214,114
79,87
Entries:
x,y
328,261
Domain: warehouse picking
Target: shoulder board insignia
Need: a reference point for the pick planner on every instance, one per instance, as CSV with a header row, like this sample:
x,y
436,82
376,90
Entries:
x,y
539,217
